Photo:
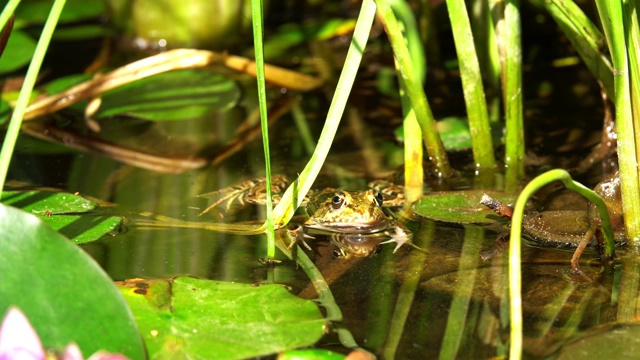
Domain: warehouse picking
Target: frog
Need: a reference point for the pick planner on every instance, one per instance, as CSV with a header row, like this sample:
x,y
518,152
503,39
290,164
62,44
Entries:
x,y
354,221
571,228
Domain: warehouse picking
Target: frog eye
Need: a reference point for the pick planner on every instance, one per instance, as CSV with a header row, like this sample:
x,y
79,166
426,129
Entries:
x,y
337,201
379,199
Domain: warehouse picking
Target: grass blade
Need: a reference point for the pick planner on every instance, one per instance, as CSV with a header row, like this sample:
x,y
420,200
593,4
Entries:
x,y
295,193
258,46
413,88
586,39
473,89
27,87
612,17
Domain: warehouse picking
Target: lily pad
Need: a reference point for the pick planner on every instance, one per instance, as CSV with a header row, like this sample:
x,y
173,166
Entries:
x,y
71,215
204,319
616,341
63,292
461,207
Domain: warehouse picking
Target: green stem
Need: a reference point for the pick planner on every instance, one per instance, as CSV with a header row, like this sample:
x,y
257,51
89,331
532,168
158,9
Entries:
x,y
258,46
514,138
27,87
614,29
287,206
8,10
414,90
586,39
516,233
474,97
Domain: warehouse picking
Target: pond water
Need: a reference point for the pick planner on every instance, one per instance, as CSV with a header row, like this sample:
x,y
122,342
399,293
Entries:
x,y
445,301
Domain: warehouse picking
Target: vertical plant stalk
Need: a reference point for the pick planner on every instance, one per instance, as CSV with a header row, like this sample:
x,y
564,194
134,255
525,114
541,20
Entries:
x,y
407,291
413,155
413,168
474,97
459,309
514,138
630,11
586,39
27,87
256,14
612,18
404,12
515,283
296,192
414,90
8,10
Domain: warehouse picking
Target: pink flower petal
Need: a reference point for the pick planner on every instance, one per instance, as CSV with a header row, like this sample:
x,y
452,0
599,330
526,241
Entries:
x,y
103,355
18,340
72,352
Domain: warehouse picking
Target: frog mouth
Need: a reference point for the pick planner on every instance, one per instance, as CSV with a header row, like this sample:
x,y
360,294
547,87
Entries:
x,y
350,227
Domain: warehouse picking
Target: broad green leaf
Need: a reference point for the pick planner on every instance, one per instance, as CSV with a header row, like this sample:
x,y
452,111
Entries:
x,y
18,52
462,207
81,32
65,295
290,35
454,133
5,112
204,319
84,228
64,83
613,341
67,213
176,95
35,12
43,203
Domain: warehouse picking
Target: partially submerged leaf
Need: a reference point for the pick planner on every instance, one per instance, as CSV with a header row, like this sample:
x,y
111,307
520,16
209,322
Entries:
x,y
204,319
462,207
175,95
67,213
46,202
65,295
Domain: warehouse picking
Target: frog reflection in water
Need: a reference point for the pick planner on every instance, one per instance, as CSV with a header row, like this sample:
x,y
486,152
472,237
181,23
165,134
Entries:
x,y
572,228
355,222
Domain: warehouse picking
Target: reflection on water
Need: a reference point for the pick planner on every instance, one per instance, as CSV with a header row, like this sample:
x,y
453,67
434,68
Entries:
x,y
445,302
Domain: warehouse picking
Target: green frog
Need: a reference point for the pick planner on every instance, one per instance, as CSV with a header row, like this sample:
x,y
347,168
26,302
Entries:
x,y
355,222
571,228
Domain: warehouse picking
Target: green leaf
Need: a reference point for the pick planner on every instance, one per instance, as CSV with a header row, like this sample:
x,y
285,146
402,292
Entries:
x,y
462,207
81,32
84,228
454,132
5,112
609,341
175,95
35,12
65,295
64,83
18,52
69,214
43,203
204,319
